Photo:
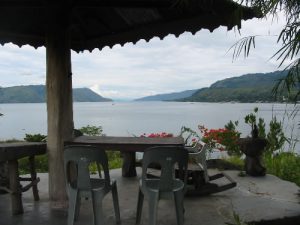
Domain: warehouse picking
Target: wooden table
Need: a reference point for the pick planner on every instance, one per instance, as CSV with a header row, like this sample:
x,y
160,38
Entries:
x,y
128,146
11,152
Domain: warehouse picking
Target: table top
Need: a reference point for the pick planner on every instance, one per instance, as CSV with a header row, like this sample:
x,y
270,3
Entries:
x,y
135,144
17,150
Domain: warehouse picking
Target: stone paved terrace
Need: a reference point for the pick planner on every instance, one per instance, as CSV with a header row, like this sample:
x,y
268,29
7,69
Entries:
x,y
257,199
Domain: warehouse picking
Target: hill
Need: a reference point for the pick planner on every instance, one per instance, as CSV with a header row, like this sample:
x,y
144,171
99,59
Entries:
x,y
37,94
246,88
169,96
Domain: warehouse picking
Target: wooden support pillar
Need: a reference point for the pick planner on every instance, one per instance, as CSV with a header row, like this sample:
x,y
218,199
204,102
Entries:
x,y
14,186
59,103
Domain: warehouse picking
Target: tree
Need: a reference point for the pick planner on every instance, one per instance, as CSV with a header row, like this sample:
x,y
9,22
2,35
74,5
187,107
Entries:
x,y
289,39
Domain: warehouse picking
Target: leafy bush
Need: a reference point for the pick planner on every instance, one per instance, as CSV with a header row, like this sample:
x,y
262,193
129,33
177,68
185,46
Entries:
x,y
92,130
35,137
222,139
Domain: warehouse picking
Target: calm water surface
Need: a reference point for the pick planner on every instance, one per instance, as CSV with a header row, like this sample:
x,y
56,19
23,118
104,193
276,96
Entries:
x,y
136,118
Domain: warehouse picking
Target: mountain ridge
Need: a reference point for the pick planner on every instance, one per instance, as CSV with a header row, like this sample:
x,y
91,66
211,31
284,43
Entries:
x,y
255,87
251,87
37,94
168,96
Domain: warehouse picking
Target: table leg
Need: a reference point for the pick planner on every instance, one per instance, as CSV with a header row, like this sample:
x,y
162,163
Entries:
x,y
128,168
14,185
33,178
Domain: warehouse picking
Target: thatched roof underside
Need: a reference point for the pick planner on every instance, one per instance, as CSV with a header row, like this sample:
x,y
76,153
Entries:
x,y
99,23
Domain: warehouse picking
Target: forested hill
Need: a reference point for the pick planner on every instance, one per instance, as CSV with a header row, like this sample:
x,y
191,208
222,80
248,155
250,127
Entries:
x,y
168,97
37,93
246,88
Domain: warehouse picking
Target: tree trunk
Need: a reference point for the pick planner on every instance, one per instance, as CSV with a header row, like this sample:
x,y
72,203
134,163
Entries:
x,y
59,106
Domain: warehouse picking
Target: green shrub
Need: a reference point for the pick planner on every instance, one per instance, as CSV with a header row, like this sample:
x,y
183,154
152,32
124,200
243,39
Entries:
x,y
284,165
35,137
91,130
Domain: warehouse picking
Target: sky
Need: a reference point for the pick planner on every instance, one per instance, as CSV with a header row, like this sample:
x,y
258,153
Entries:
x,y
154,67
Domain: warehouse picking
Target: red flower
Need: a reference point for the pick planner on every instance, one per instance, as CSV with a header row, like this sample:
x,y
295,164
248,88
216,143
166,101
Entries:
x,y
158,135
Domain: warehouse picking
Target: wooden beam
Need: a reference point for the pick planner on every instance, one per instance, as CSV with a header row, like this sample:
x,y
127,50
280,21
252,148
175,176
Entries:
x,y
125,3
92,4
59,103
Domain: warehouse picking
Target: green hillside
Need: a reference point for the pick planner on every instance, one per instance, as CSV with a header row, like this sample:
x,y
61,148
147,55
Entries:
x,y
247,88
37,94
168,97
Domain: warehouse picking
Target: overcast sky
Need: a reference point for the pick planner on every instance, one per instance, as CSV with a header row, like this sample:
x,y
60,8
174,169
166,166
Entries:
x,y
159,66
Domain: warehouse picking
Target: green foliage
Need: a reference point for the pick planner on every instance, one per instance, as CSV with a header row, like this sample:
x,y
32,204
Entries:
x,y
251,119
35,137
222,139
41,164
243,45
261,128
92,130
275,137
231,125
284,165
289,39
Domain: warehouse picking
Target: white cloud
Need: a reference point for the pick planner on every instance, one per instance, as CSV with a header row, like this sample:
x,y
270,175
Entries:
x,y
160,66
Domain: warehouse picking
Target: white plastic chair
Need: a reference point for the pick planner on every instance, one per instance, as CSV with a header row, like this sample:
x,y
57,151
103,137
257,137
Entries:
x,y
86,187
166,186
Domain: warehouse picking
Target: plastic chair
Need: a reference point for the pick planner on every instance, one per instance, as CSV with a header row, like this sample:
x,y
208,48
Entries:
x,y
166,186
83,186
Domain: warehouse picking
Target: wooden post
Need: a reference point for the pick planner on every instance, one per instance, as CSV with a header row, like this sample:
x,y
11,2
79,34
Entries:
x,y
14,186
59,102
33,176
128,167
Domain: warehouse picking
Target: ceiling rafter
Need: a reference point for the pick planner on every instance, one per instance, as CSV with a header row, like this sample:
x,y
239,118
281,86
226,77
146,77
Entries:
x,y
93,3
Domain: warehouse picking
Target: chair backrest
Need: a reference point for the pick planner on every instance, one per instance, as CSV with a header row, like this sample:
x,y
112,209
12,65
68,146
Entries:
x,y
82,157
167,157
198,152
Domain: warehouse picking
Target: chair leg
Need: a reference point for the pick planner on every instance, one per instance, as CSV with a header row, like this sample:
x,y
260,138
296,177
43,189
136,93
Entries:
x,y
114,192
153,203
77,208
73,196
178,197
139,207
97,208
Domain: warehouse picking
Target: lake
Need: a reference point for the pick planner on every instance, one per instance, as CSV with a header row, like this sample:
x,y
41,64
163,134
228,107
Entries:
x,y
136,118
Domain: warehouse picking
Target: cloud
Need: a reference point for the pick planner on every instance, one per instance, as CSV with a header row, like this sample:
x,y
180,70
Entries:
x,y
158,66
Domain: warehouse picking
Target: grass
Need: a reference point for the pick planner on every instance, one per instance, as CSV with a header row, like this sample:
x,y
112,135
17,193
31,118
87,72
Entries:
x,y
285,165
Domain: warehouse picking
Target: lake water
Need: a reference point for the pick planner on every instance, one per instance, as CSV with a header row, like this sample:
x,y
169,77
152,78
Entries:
x,y
136,118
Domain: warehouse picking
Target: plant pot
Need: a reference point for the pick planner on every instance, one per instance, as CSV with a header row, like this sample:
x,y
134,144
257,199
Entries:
x,y
253,149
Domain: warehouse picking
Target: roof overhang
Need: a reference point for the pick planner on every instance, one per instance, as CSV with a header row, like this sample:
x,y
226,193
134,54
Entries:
x,y
99,23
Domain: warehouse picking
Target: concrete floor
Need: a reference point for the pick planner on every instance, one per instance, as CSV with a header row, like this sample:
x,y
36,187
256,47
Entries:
x,y
254,199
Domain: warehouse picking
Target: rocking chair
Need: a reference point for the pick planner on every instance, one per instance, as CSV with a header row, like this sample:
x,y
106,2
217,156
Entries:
x,y
199,181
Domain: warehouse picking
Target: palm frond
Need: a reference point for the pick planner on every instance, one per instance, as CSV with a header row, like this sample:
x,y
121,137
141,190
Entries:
x,y
246,43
